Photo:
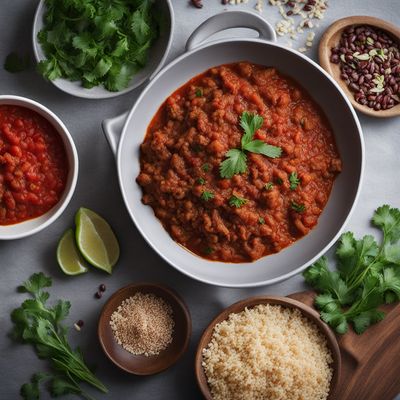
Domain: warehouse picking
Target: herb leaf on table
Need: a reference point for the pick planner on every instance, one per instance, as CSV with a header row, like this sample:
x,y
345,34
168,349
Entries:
x,y
37,323
367,276
16,63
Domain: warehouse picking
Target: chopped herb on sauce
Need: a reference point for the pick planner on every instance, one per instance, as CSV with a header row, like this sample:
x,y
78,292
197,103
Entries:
x,y
208,250
261,221
206,167
199,92
237,202
294,181
206,195
278,181
269,186
297,207
201,181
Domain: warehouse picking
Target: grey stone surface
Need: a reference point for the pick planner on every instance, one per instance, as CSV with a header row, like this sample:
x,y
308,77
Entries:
x,y
98,189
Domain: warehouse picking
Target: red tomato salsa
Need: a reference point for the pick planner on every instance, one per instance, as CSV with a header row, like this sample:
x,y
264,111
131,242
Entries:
x,y
33,165
269,206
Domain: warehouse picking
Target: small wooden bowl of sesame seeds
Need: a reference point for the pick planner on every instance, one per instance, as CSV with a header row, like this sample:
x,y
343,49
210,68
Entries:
x,y
362,54
144,328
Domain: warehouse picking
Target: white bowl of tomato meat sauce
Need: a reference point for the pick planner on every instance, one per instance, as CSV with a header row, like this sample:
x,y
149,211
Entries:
x,y
312,81
38,167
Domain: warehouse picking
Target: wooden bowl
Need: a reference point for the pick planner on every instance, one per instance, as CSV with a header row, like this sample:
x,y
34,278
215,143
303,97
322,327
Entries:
x,y
331,38
307,311
140,364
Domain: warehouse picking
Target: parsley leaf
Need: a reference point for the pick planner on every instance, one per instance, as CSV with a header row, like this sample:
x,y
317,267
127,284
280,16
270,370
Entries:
x,y
234,164
206,167
259,147
367,276
261,221
236,158
201,181
269,186
236,201
198,92
207,195
250,123
294,181
16,63
297,207
37,323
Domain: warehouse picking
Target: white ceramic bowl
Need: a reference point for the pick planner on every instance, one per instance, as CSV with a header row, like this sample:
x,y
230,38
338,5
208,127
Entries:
x,y
156,59
322,88
31,226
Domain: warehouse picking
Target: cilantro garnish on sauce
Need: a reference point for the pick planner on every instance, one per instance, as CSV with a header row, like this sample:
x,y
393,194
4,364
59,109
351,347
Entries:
x,y
236,161
236,201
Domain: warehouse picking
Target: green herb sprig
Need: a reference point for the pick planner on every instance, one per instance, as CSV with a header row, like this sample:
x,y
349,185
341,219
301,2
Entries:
x,y
236,161
98,42
300,208
41,325
294,181
15,63
236,201
207,195
367,276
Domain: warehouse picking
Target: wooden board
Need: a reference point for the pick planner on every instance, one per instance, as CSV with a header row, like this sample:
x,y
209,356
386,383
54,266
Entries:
x,y
371,361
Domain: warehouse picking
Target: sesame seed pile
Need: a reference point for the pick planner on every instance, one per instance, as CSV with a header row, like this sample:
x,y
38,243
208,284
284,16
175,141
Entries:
x,y
143,324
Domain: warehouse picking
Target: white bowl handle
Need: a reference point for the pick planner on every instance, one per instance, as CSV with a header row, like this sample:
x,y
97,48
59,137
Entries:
x,y
228,20
112,128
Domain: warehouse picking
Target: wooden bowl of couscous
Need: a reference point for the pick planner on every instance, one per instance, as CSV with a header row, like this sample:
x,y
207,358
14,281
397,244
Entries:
x,y
268,347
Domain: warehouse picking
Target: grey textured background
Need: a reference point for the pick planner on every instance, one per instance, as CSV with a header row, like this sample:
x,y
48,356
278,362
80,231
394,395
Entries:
x,y
98,189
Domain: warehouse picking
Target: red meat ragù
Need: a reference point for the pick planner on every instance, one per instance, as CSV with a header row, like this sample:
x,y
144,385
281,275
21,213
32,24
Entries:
x,y
33,165
260,206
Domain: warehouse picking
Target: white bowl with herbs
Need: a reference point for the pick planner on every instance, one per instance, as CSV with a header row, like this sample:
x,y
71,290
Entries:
x,y
104,51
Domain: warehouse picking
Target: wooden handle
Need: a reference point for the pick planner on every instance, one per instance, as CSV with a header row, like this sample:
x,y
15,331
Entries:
x,y
370,362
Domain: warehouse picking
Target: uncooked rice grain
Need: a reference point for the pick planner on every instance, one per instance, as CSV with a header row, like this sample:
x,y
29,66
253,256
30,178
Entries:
x,y
268,352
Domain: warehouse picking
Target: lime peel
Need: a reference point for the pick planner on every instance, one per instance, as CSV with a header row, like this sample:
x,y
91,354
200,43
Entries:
x,y
96,240
69,259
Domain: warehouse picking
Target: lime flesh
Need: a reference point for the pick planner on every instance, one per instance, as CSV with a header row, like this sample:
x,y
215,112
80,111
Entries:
x,y
96,240
69,259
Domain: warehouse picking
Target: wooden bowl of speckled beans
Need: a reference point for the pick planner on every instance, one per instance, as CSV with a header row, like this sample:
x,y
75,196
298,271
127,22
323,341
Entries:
x,y
141,364
331,39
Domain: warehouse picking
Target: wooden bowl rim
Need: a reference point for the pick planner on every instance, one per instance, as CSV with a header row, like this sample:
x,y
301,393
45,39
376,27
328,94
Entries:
x,y
324,57
250,302
132,289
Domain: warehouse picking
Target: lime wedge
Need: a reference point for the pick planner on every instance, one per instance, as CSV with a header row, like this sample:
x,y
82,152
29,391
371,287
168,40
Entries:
x,y
68,256
96,240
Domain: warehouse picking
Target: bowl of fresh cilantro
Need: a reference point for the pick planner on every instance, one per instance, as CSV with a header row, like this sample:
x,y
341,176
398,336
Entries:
x,y
99,49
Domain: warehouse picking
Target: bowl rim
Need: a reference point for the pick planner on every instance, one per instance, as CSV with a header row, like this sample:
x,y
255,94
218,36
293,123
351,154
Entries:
x,y
81,92
251,302
149,240
71,151
324,50
134,288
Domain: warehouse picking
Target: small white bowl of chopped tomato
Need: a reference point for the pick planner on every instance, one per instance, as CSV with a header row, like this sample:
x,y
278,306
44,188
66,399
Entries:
x,y
106,51
38,167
